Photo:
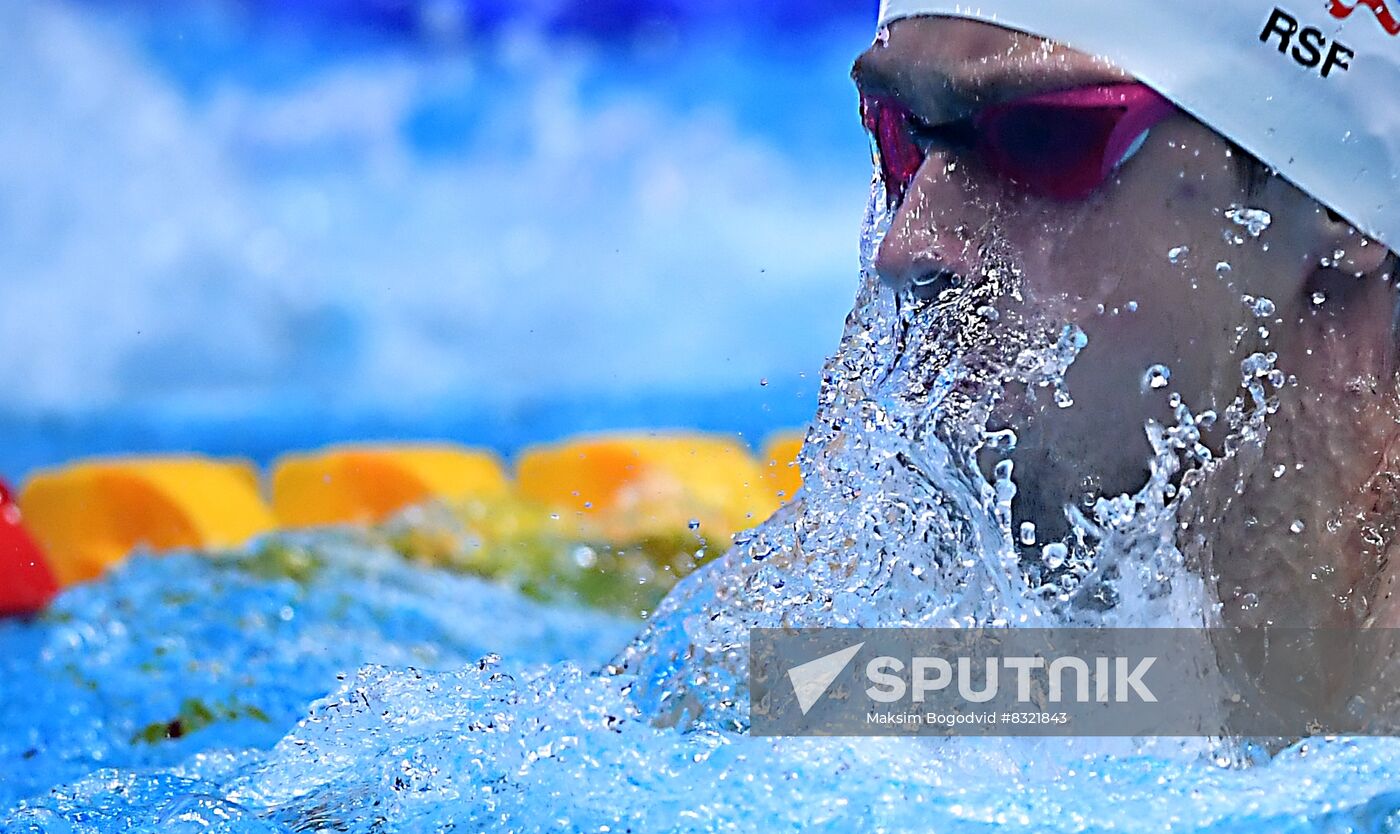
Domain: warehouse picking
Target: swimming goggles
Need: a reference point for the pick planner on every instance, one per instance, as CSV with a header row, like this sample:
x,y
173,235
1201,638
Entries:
x,y
1061,145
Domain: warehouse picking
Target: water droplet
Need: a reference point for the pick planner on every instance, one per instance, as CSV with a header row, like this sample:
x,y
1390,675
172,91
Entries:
x,y
1156,378
1223,268
1256,365
1319,298
1255,221
1003,442
585,557
1027,533
1296,527
1054,555
1261,307
763,382
1177,253
694,524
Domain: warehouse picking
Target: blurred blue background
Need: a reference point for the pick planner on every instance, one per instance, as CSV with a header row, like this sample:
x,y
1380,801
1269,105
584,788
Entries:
x,y
249,227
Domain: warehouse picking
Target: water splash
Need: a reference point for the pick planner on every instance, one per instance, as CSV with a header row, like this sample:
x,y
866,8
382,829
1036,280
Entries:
x,y
898,526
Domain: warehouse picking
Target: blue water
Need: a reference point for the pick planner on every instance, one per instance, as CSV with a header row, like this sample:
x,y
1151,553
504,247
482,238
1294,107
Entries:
x,y
507,744
254,640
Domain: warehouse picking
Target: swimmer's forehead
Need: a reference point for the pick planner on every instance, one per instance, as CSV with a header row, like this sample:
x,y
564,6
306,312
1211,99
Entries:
x,y
950,66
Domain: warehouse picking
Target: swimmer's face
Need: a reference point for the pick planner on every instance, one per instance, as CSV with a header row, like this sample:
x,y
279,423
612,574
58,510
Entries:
x,y
1135,264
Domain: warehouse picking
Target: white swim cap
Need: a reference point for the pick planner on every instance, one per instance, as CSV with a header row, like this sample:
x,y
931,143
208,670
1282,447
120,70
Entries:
x,y
1312,87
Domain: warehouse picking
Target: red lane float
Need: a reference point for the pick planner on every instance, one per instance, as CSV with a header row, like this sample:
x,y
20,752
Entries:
x,y
26,583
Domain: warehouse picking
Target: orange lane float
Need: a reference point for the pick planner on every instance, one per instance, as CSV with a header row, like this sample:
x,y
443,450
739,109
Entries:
x,y
26,583
629,487
780,462
367,484
91,514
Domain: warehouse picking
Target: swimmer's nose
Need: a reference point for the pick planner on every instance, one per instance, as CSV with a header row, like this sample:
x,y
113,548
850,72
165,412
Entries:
x,y
932,242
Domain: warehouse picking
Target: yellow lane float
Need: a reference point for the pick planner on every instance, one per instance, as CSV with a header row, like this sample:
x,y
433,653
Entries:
x,y
247,470
780,462
367,484
91,514
629,487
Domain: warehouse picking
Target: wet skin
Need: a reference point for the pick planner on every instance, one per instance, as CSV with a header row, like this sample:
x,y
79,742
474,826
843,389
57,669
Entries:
x,y
1310,546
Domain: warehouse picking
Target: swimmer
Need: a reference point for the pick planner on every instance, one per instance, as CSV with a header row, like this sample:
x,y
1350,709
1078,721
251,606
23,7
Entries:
x,y
1190,183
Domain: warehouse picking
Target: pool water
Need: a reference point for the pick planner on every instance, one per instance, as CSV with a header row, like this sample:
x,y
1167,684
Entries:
x,y
179,654
515,731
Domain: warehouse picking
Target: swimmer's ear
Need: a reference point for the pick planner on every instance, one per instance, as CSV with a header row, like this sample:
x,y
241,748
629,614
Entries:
x,y
1361,255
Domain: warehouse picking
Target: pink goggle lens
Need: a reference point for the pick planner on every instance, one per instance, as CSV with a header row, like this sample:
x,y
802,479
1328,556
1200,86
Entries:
x,y
1062,146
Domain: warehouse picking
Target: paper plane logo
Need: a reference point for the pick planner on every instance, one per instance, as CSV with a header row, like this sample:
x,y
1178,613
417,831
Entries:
x,y
811,680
